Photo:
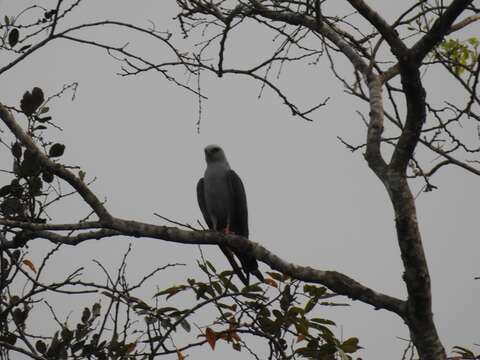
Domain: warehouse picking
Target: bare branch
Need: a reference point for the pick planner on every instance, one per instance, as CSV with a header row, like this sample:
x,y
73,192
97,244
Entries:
x,y
397,46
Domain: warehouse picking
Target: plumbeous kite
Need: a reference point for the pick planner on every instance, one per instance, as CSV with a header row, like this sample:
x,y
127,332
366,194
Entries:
x,y
222,200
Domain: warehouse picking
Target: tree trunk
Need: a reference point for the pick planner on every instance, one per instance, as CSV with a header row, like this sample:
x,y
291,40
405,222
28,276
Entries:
x,y
419,316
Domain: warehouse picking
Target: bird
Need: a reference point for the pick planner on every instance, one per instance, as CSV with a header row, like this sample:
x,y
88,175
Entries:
x,y
223,203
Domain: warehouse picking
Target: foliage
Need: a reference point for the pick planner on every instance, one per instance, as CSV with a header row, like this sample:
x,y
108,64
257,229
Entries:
x,y
119,325
460,54
32,189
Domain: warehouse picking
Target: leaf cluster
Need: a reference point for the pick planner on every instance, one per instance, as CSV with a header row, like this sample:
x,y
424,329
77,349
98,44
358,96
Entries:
x,y
461,54
24,197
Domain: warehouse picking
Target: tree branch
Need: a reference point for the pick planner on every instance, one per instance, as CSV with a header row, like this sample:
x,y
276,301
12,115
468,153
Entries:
x,y
337,282
375,128
416,116
439,29
295,18
389,34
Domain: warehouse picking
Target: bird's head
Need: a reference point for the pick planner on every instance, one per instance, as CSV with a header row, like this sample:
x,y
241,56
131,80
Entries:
x,y
214,153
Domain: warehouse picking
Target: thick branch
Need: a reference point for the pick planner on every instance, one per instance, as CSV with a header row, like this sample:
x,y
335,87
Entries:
x,y
337,282
55,227
375,128
416,116
397,46
416,276
439,29
464,23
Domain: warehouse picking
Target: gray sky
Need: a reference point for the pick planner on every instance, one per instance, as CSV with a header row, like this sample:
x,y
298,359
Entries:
x,y
311,201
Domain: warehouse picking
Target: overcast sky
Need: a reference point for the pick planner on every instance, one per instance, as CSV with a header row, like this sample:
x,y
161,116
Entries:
x,y
311,201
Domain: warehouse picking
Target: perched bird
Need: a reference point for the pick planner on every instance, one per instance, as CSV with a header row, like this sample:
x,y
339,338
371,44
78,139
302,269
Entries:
x,y
222,200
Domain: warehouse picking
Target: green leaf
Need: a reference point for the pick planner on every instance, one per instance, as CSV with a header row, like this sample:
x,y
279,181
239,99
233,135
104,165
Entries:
x,y
38,96
7,20
16,255
295,310
44,119
466,353
85,315
77,346
13,37
16,189
19,316
11,206
217,287
41,347
56,150
326,332
323,321
47,176
171,291
17,150
96,310
166,309
278,314
255,296
310,353
31,101
227,283
5,190
30,165
203,268
268,325
302,326
311,304
67,335
9,338
316,291
200,290
350,345
473,41
210,265
35,186
185,325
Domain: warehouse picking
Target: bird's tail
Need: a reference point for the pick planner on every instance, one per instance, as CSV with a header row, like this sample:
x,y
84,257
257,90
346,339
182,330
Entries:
x,y
258,274
231,259
250,266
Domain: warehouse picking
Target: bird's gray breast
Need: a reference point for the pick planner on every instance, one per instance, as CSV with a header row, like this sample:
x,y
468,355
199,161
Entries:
x,y
218,198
